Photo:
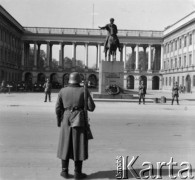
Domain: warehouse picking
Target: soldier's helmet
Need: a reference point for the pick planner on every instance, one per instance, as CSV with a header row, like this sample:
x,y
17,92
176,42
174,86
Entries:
x,y
74,78
111,19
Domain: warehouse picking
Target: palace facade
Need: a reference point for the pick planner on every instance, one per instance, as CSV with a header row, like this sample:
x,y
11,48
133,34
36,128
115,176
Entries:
x,y
158,57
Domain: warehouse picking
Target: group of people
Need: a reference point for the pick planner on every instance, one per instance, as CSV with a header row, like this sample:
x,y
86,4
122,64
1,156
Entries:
x,y
142,92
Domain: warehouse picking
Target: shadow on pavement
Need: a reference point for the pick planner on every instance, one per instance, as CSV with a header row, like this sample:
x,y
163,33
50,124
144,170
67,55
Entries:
x,y
164,172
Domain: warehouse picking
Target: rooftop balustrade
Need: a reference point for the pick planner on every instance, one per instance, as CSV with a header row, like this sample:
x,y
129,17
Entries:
x,y
91,32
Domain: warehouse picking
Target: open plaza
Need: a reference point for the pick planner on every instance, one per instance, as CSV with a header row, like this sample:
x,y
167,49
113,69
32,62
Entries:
x,y
155,132
132,140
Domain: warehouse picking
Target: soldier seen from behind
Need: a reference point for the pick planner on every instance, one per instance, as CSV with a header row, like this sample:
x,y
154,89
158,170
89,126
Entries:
x,y
73,140
47,90
175,93
142,92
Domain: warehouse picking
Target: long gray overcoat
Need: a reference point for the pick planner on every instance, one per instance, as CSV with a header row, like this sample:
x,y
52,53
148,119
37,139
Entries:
x,y
73,142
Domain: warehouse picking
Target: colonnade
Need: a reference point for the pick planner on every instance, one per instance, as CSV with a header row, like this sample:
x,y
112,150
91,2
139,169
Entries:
x,y
153,58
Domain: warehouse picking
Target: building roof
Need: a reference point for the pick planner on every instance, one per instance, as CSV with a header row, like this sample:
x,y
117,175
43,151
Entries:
x,y
11,18
179,24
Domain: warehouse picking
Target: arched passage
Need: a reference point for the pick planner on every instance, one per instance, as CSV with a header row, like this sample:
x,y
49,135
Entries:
x,y
41,78
155,83
188,83
92,79
144,79
130,82
54,80
28,81
65,79
28,78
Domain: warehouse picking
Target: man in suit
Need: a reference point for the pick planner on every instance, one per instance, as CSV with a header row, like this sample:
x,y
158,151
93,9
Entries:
x,y
142,92
175,93
47,87
73,140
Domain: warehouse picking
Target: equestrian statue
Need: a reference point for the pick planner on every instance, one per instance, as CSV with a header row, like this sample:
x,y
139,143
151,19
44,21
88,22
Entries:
x,y
112,42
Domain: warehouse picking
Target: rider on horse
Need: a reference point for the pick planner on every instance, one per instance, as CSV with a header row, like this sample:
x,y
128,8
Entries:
x,y
112,31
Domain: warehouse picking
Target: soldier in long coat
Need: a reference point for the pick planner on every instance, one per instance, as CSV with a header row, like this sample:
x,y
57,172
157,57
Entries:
x,y
73,141
47,89
175,93
142,92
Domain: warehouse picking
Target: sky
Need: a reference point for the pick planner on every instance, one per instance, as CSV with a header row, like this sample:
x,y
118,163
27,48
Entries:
x,y
128,14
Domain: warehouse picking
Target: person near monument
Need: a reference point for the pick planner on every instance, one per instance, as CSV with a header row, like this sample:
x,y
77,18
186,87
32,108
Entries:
x,y
47,90
142,92
112,31
73,139
175,93
3,87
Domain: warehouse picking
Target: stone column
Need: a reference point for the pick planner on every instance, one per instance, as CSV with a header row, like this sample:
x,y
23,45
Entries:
x,y
149,58
23,54
50,60
133,58
137,58
74,55
35,55
161,58
125,56
48,56
86,55
27,54
38,55
144,60
97,62
61,55
99,53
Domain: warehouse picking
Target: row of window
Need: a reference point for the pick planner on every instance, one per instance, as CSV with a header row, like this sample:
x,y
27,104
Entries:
x,y
9,38
178,43
10,76
178,63
7,55
169,81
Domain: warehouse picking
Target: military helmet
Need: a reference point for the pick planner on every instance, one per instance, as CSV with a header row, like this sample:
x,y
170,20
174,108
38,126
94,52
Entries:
x,y
111,19
74,78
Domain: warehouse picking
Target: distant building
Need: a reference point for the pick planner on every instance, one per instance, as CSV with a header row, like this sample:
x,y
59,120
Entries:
x,y
11,33
179,54
159,58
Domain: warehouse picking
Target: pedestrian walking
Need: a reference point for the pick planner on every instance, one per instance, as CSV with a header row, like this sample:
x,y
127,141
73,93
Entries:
x,y
142,92
175,93
47,87
73,140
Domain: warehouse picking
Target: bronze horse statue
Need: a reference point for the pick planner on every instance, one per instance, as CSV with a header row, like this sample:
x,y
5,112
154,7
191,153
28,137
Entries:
x,y
111,47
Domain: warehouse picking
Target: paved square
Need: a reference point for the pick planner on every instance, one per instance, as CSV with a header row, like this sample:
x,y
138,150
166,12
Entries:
x,y
154,132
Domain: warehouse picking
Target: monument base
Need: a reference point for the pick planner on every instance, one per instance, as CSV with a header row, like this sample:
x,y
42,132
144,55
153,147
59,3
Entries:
x,y
111,73
108,96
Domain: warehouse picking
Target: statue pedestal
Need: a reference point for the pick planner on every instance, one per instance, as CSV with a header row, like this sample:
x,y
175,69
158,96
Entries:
x,y
111,73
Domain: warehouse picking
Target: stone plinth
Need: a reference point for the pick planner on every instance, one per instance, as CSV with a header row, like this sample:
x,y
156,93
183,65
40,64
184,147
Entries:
x,y
110,73
107,96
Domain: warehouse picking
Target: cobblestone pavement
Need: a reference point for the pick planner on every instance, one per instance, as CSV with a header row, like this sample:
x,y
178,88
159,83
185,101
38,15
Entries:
x,y
154,132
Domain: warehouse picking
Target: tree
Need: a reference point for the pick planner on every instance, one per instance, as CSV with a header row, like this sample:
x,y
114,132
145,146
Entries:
x,y
54,64
143,61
